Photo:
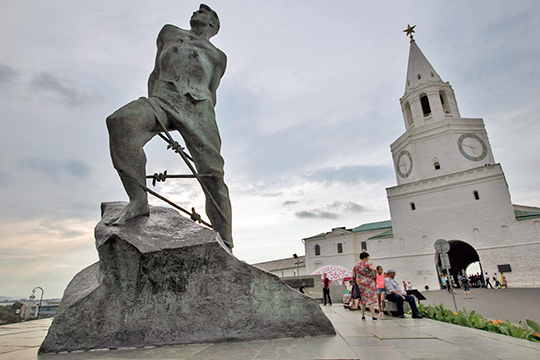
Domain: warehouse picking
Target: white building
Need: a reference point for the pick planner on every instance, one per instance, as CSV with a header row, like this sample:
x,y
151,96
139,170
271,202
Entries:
x,y
450,187
285,267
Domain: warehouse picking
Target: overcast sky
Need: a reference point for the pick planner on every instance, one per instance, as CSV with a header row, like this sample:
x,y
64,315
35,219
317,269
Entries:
x,y
307,110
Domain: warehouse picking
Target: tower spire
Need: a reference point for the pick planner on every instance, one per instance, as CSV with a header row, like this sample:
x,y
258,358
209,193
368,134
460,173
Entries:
x,y
427,97
419,71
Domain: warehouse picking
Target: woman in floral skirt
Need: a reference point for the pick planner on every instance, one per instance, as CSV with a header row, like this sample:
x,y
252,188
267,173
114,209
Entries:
x,y
364,274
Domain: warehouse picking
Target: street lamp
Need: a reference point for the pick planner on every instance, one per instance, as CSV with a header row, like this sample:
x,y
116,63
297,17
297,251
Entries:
x,y
297,262
33,296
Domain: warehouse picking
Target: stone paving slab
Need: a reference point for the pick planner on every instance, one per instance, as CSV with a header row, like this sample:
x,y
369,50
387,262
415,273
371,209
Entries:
x,y
389,339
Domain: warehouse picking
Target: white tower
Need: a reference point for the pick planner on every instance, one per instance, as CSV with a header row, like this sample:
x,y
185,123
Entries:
x,y
449,185
434,128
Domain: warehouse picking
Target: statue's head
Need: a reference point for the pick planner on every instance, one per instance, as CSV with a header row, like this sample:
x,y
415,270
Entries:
x,y
205,16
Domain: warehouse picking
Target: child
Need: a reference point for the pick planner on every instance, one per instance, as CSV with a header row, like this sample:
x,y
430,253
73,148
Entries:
x,y
381,292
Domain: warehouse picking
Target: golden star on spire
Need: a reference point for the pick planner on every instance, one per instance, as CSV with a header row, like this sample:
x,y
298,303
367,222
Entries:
x,y
409,31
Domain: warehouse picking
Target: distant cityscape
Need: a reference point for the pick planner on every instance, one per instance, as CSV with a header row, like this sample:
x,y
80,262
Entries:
x,y
16,309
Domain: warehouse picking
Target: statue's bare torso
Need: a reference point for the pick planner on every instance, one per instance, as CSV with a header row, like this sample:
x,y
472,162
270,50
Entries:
x,y
190,62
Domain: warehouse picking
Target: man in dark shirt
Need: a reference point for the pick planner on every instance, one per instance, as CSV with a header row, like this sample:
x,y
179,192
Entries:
x,y
326,290
393,293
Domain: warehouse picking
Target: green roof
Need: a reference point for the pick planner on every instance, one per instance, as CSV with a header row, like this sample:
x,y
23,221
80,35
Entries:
x,y
381,225
386,234
521,215
316,236
373,226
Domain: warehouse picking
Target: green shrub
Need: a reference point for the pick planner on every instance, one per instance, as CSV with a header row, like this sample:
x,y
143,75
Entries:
x,y
531,331
8,314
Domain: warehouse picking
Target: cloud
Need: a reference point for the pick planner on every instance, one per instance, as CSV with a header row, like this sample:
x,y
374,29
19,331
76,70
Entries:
x,y
50,85
316,214
57,168
290,202
331,211
84,206
5,178
348,206
8,75
350,175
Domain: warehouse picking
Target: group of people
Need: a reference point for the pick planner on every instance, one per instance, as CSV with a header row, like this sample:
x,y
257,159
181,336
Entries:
x,y
467,282
371,285
475,280
499,281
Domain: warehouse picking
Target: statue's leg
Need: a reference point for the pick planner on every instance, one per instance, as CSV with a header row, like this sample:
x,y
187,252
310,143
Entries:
x,y
201,135
130,128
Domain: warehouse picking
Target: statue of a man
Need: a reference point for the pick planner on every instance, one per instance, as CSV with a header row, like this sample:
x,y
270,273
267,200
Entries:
x,y
181,95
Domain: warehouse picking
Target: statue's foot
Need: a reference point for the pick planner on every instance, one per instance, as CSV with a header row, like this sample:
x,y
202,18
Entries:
x,y
130,212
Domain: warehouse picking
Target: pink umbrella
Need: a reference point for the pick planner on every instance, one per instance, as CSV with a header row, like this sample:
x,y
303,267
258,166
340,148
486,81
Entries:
x,y
333,272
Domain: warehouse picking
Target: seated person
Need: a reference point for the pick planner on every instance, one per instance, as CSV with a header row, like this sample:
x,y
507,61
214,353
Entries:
x,y
393,293
347,295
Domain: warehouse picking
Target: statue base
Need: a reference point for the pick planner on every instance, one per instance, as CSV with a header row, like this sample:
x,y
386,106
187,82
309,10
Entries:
x,y
164,280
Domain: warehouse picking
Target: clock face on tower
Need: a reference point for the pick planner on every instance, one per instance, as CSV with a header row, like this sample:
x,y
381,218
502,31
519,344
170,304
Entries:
x,y
472,147
404,164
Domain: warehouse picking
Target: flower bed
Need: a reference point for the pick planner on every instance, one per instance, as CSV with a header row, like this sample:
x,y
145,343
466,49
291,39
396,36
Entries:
x,y
530,331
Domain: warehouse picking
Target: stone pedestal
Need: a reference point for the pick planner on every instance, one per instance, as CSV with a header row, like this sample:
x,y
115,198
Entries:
x,y
163,280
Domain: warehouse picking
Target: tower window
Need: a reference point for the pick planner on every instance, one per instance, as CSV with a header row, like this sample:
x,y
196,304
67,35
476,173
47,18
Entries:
x,y
317,250
476,196
444,102
413,207
340,248
363,244
425,105
408,115
437,165
419,76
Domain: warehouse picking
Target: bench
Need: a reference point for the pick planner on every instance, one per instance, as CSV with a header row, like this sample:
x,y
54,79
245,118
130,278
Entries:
x,y
391,307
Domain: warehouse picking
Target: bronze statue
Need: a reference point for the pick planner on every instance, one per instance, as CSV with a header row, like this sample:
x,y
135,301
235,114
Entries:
x,y
181,96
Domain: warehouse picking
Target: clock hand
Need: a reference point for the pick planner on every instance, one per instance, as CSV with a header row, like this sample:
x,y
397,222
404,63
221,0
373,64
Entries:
x,y
472,148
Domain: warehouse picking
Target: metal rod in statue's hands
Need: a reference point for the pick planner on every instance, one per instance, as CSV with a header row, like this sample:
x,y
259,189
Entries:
x,y
193,215
178,149
168,142
161,177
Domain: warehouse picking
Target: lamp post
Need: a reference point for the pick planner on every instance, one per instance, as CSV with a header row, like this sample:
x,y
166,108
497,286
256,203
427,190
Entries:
x,y
297,262
33,296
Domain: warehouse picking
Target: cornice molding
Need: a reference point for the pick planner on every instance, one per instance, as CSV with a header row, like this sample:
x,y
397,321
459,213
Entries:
x,y
430,129
422,186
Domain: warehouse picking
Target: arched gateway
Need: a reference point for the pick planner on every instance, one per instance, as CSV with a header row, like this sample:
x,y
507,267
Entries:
x,y
461,255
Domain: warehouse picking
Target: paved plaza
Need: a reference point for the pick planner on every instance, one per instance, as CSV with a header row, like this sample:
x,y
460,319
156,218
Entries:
x,y
388,339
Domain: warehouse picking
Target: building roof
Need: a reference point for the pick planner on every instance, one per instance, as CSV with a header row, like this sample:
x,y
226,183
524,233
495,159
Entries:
x,y
386,234
380,225
521,215
419,70
373,226
316,236
281,264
